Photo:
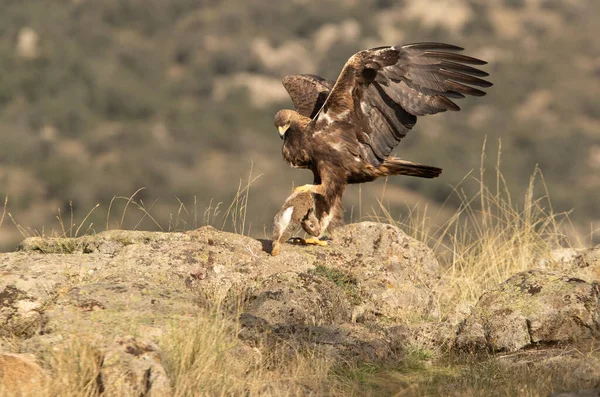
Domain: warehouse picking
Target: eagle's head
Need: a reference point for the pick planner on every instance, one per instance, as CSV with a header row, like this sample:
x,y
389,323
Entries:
x,y
283,120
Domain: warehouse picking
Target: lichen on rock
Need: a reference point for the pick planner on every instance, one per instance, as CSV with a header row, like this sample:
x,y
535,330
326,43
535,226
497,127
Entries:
x,y
532,308
348,301
340,299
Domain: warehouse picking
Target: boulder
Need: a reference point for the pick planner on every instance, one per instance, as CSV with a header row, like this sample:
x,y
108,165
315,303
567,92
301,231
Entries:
x,y
532,308
133,367
581,263
396,272
20,374
20,313
102,289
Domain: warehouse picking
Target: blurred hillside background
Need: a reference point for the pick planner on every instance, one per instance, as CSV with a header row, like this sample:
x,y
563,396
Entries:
x,y
101,98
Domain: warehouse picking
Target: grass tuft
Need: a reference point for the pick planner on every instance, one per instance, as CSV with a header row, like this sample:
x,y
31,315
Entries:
x,y
205,357
236,212
491,236
75,371
338,277
4,210
134,214
343,279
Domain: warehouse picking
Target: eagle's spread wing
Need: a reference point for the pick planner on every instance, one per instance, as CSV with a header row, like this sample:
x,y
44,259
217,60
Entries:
x,y
382,90
308,92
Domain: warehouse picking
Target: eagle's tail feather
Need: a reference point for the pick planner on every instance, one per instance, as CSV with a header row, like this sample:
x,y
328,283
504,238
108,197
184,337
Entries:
x,y
396,166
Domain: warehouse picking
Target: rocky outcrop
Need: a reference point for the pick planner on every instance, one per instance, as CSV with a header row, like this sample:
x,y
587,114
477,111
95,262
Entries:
x,y
342,299
580,263
119,291
532,308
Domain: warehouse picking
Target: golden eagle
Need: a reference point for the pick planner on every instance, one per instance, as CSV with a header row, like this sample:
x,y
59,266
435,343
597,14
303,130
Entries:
x,y
345,132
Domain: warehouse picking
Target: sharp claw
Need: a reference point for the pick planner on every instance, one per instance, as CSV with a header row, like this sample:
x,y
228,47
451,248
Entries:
x,y
296,240
315,241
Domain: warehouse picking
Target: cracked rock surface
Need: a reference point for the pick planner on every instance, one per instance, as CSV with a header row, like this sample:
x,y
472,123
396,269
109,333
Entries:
x,y
532,308
349,300
102,289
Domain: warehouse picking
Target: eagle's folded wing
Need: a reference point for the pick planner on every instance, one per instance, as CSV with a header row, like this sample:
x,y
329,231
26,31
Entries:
x,y
308,92
382,90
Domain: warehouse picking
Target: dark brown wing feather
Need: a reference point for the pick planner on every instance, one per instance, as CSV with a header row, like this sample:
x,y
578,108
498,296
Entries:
x,y
382,90
308,92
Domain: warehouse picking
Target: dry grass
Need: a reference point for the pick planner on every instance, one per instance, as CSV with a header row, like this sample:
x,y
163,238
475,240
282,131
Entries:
x,y
491,236
132,213
4,210
75,370
67,227
206,358
236,212
491,378
70,370
202,357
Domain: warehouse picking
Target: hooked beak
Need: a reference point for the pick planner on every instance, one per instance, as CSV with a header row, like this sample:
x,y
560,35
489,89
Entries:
x,y
282,130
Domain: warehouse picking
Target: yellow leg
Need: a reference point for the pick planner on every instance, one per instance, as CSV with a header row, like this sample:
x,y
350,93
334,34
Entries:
x,y
315,241
305,188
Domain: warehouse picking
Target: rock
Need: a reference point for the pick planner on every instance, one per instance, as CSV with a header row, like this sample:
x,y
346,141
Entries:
x,y
560,256
395,271
581,263
20,313
340,299
433,337
371,275
108,242
133,367
21,375
348,342
311,309
532,308
306,298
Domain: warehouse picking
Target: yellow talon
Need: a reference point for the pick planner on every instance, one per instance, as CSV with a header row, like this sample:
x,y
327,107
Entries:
x,y
304,188
315,241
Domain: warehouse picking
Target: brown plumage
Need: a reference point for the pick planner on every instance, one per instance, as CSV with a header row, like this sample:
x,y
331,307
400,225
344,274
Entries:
x,y
308,92
345,132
